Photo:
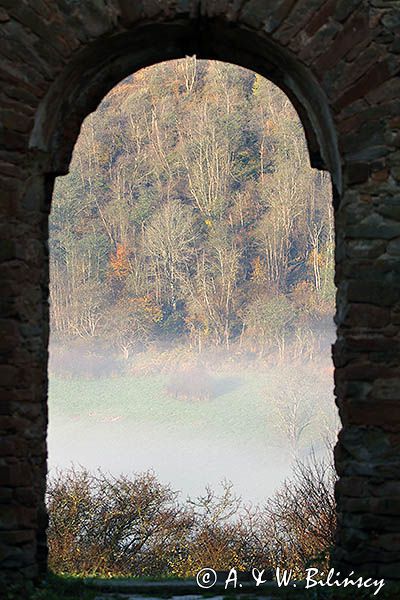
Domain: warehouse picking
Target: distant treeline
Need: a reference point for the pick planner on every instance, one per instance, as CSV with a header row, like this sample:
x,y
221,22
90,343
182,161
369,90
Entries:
x,y
191,214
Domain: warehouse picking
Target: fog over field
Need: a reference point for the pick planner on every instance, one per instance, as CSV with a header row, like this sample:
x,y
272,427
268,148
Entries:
x,y
251,428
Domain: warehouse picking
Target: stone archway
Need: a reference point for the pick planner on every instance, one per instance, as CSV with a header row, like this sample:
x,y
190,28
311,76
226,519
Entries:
x,y
337,62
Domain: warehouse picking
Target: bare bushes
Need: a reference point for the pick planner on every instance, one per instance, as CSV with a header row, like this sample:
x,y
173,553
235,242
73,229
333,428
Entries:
x,y
301,411
113,526
192,384
301,518
133,527
80,359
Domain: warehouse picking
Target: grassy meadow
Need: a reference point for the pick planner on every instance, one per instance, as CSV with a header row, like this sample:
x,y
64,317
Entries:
x,y
244,433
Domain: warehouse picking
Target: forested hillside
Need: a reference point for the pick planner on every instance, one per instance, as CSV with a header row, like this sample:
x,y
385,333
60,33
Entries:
x,y
191,215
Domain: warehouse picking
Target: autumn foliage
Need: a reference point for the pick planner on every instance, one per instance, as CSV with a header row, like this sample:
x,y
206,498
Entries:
x,y
119,262
191,204
119,526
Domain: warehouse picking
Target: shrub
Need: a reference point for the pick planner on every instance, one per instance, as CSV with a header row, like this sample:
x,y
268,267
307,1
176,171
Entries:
x,y
301,519
103,525
192,384
108,526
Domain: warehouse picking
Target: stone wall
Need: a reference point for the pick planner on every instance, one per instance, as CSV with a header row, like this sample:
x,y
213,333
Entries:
x,y
338,61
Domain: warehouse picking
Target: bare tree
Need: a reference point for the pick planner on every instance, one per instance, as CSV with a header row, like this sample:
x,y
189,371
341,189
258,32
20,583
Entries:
x,y
292,417
169,240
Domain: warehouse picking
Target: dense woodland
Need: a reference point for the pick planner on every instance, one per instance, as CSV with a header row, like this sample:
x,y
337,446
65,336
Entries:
x,y
191,216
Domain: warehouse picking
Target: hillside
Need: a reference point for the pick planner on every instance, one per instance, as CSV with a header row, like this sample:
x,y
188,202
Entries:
x,y
191,215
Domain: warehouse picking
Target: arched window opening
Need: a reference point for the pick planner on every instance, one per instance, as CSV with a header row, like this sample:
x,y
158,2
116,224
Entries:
x,y
192,295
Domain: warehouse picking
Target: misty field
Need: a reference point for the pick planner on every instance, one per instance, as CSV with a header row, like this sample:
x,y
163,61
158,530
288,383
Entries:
x,y
249,432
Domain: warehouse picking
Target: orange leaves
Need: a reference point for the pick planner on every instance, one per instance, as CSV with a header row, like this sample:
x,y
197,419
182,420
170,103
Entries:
x,y
316,258
268,125
119,262
258,274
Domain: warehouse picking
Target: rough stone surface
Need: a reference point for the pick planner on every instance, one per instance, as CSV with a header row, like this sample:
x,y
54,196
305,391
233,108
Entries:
x,y
338,62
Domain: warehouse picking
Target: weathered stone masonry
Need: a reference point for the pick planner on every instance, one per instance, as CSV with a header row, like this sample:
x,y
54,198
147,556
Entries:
x,y
338,60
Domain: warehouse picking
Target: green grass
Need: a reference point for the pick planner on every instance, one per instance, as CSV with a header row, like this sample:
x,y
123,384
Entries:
x,y
245,400
129,424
